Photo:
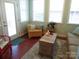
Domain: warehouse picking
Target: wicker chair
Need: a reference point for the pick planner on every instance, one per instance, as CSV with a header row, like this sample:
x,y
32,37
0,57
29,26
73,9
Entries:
x,y
33,31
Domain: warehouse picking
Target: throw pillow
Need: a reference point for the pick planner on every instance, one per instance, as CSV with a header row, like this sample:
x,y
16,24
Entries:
x,y
76,31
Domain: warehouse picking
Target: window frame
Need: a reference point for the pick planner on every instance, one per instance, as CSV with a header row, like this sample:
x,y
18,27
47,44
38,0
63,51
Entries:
x,y
72,13
26,10
60,11
42,10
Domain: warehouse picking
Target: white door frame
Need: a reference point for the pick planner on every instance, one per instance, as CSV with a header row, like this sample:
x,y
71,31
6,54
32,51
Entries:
x,y
4,21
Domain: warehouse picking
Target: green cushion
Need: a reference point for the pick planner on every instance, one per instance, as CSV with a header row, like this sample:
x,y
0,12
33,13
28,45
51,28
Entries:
x,y
76,31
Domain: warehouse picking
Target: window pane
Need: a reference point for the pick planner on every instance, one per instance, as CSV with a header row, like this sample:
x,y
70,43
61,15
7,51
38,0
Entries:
x,y
74,12
24,10
38,10
56,10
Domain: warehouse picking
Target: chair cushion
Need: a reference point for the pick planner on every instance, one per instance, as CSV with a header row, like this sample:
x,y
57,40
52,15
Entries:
x,y
31,26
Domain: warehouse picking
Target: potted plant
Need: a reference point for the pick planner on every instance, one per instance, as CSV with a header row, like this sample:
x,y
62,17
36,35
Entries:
x,y
50,27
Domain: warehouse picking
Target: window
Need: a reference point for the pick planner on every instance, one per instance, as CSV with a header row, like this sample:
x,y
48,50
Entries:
x,y
38,10
24,10
74,12
56,10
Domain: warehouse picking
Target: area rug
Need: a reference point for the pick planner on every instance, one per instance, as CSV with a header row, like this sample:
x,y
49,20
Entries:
x,y
33,53
17,41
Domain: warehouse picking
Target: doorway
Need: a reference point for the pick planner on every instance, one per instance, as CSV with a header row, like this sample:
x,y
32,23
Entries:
x,y
10,20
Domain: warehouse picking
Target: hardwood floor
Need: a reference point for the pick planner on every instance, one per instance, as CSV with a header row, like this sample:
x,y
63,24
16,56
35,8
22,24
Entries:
x,y
19,50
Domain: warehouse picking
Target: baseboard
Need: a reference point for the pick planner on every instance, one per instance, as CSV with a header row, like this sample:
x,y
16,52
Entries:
x,y
26,34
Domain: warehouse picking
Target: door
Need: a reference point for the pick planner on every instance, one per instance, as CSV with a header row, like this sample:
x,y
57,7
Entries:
x,y
9,22
10,17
